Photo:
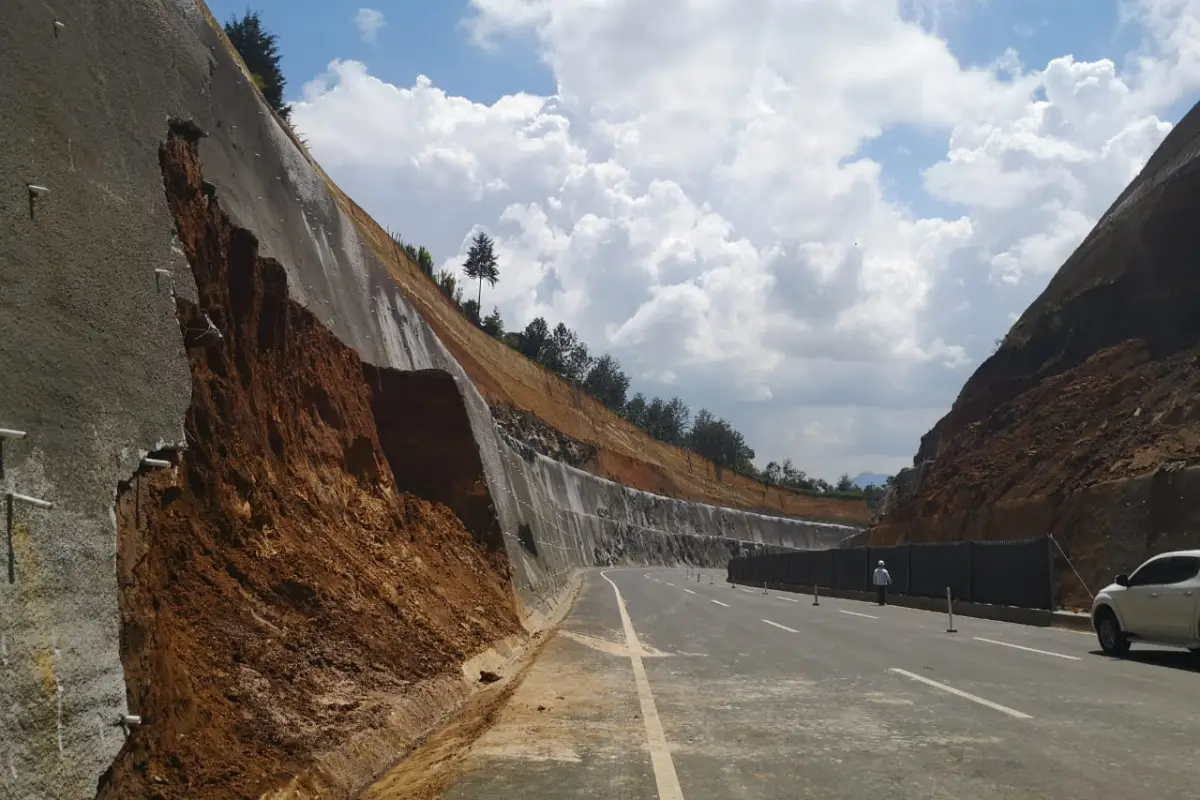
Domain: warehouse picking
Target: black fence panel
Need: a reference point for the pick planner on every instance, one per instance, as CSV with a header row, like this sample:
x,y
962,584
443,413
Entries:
x,y
820,567
933,567
737,569
850,569
1012,573
776,571
896,561
796,569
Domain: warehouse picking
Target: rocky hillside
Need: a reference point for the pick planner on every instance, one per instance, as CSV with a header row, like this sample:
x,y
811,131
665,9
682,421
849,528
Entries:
x,y
1086,421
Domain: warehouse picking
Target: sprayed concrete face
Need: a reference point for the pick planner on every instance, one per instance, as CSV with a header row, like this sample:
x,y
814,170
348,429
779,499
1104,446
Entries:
x,y
94,369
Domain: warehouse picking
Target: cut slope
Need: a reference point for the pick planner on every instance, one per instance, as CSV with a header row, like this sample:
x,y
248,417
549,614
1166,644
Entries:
x,y
624,453
280,593
1085,421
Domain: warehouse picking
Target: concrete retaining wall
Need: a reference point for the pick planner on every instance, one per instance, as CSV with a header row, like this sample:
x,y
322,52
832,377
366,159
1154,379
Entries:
x,y
93,368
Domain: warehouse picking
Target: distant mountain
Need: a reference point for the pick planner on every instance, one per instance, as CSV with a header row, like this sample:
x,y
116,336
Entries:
x,y
865,479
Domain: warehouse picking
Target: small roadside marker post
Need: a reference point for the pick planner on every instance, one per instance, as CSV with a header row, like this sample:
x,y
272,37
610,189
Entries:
x,y
816,595
950,611
764,587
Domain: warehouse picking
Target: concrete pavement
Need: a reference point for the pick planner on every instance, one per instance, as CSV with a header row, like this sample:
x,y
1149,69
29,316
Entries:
x,y
770,697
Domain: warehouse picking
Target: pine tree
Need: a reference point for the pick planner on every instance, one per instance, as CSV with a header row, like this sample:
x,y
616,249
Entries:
x,y
259,48
481,262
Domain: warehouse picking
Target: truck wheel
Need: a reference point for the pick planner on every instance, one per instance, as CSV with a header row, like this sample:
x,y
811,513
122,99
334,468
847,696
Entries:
x,y
1113,640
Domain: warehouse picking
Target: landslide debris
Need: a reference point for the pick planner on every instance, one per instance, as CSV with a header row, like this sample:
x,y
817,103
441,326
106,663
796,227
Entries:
x,y
1086,421
279,589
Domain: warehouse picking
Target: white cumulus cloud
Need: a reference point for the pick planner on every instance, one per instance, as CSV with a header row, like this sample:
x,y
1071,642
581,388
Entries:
x,y
369,22
697,199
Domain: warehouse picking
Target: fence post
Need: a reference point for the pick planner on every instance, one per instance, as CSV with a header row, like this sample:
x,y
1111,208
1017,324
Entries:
x,y
1050,565
970,569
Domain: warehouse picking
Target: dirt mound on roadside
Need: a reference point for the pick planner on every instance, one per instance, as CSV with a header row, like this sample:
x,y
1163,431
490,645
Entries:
x,y
279,589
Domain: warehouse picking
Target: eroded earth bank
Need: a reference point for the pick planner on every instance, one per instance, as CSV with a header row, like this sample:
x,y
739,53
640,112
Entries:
x,y
280,590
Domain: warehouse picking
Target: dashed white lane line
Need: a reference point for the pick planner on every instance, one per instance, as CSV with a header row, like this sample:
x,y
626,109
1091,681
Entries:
x,y
665,776
689,591
1012,712
749,591
718,602
668,583
1027,649
856,614
789,599
784,627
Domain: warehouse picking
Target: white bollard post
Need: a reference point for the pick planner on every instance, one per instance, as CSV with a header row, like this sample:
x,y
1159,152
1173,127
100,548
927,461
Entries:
x,y
816,595
950,611
764,587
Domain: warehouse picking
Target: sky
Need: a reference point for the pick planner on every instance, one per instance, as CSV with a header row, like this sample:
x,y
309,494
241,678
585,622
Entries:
x,y
814,218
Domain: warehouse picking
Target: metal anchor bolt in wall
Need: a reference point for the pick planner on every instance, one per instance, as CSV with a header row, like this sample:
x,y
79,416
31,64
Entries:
x,y
7,433
159,274
36,193
11,499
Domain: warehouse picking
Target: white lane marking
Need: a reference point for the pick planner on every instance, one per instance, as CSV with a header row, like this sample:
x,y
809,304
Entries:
x,y
777,625
668,583
750,591
718,602
960,693
856,614
1028,649
660,753
689,591
789,599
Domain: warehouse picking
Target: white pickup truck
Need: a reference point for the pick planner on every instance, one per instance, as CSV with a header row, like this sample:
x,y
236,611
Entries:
x,y
1159,603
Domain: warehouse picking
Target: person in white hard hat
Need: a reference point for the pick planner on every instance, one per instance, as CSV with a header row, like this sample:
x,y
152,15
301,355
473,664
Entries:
x,y
882,580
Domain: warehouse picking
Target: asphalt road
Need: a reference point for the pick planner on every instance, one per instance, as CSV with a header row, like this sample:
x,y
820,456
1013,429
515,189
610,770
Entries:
x,y
733,694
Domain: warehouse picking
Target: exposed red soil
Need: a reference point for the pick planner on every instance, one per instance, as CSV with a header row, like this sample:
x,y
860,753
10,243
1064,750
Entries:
x,y
1085,422
279,587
